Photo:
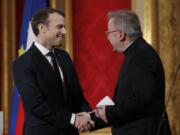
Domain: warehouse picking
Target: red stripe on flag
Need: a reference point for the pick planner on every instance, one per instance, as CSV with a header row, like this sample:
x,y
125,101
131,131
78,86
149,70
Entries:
x,y
20,119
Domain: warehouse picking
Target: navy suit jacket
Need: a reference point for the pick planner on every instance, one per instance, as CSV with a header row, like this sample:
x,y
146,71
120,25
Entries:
x,y
139,95
47,110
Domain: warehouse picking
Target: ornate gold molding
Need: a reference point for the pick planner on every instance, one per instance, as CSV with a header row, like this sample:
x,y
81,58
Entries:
x,y
53,3
168,39
150,29
148,15
4,72
8,54
69,36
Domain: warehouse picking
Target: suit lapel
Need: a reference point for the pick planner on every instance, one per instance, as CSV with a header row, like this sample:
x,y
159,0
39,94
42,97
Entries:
x,y
45,75
40,59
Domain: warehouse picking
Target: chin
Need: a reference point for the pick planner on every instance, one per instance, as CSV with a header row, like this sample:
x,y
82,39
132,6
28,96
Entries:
x,y
121,50
57,45
115,49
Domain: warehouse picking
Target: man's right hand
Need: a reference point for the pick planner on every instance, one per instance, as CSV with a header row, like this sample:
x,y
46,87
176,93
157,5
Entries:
x,y
83,121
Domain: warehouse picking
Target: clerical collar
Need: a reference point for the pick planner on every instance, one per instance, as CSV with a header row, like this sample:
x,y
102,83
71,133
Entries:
x,y
129,45
132,45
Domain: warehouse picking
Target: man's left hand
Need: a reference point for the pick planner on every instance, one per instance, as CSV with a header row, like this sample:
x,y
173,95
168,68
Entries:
x,y
101,113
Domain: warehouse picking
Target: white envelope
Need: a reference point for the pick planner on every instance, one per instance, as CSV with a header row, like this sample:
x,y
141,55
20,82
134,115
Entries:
x,y
105,101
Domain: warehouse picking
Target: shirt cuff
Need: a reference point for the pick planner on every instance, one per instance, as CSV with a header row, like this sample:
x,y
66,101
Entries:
x,y
73,119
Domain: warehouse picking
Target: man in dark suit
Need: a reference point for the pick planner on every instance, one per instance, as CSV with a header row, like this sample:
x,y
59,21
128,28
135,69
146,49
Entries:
x,y
47,81
140,91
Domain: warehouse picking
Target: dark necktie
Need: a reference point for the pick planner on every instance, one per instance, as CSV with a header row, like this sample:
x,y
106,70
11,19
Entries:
x,y
55,65
57,73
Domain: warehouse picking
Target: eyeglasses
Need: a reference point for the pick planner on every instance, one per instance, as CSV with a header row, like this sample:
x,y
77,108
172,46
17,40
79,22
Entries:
x,y
108,32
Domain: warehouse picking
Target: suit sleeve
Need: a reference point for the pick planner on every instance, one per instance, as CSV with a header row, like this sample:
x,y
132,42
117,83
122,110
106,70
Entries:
x,y
99,123
141,91
33,99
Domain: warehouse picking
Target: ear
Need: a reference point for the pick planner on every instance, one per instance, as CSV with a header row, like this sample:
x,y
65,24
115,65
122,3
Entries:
x,y
122,36
42,28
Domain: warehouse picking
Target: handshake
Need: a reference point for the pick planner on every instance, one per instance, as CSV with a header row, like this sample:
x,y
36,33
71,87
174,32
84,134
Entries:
x,y
83,121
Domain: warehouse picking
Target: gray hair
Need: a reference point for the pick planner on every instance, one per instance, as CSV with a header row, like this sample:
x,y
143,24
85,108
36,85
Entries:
x,y
126,21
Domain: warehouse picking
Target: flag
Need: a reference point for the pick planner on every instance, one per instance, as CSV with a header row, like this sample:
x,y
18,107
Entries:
x,y
26,39
97,65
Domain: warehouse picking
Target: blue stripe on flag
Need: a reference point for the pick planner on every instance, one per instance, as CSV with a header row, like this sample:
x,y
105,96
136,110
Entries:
x,y
30,8
14,111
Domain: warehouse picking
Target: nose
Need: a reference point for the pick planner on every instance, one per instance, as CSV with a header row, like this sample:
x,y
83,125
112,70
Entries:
x,y
63,30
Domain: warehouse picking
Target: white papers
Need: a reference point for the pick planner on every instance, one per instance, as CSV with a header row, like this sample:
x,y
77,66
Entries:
x,y
105,101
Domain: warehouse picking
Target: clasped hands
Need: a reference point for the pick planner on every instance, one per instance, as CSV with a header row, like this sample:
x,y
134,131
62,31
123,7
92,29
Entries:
x,y
83,121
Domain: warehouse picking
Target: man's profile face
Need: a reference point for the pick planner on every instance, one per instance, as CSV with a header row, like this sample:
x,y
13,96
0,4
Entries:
x,y
55,29
113,34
